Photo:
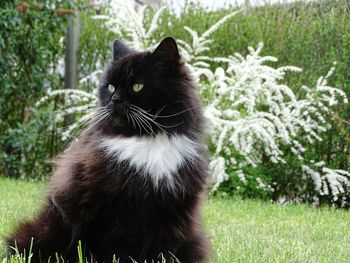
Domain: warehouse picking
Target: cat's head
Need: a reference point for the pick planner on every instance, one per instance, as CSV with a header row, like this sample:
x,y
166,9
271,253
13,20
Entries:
x,y
145,93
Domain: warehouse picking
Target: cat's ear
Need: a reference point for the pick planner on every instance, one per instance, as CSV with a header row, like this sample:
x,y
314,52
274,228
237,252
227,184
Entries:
x,y
167,49
120,50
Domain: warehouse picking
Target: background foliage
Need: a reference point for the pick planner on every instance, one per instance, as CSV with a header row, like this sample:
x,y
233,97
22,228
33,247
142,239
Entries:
x,y
308,35
29,50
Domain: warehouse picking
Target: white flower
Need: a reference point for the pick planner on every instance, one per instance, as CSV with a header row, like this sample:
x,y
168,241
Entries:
x,y
253,114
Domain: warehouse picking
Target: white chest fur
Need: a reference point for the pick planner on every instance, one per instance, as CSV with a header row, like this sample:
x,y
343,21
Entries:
x,y
157,157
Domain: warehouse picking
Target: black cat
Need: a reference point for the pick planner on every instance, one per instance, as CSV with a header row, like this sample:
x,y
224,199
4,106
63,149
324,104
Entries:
x,y
133,184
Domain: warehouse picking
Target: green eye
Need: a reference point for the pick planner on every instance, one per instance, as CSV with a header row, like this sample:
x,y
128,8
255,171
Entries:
x,y
137,87
111,88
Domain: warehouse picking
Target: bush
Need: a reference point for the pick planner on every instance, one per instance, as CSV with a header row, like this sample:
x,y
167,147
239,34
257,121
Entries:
x,y
29,45
32,52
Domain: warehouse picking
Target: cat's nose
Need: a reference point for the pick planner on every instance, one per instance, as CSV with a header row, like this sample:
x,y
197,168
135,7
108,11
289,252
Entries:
x,y
116,98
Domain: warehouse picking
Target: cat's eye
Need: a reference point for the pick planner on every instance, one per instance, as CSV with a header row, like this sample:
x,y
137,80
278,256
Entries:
x,y
137,87
111,88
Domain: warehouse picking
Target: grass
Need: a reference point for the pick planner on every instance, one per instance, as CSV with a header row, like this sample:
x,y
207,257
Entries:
x,y
240,230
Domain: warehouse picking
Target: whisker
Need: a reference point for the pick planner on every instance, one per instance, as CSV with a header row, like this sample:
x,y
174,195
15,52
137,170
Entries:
x,y
176,114
142,125
141,110
162,116
132,119
82,124
146,123
137,122
138,125
156,123
149,125
134,122
160,110
160,126
127,116
98,118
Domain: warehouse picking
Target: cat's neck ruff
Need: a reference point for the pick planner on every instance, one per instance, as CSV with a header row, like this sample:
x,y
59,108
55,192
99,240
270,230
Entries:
x,y
158,158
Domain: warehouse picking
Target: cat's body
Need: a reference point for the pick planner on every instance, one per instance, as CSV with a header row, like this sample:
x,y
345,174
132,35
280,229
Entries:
x,y
129,187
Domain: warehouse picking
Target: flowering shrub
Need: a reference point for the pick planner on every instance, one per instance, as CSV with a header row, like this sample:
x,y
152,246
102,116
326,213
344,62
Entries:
x,y
132,24
255,121
255,118
193,52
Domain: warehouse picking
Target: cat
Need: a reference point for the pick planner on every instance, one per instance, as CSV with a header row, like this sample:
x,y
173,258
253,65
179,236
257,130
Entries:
x,y
132,185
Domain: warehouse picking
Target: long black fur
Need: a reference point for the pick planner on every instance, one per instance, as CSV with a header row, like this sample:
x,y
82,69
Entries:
x,y
107,204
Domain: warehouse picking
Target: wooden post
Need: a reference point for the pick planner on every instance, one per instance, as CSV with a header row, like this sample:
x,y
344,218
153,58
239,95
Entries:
x,y
72,42
246,7
70,64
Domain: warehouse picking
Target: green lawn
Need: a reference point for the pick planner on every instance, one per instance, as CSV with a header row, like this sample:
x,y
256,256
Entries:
x,y
240,231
